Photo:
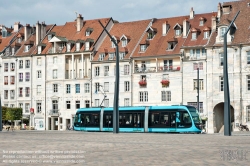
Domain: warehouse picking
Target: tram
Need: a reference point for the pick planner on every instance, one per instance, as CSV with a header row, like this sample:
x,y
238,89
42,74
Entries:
x,y
173,119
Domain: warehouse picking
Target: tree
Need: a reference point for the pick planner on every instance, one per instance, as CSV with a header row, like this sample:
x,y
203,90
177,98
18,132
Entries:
x,y
13,114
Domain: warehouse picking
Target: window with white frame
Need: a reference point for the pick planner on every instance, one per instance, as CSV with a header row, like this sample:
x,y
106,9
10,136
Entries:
x,y
77,46
39,61
191,52
87,46
39,89
55,106
206,34
20,105
54,73
86,88
248,57
27,76
39,74
221,59
177,32
201,86
55,88
198,65
194,35
12,94
165,95
222,31
126,69
111,56
12,50
97,87
201,22
39,107
20,77
6,80
27,48
126,102
101,57
126,86
54,59
12,80
67,88
106,103
67,104
78,105
20,92
248,82
97,71
27,91
143,47
6,94
106,70
221,83
39,49
27,107
194,104
106,86
77,86
197,53
113,44
204,52
96,102
12,66
143,96
20,64
68,47
121,55
124,42
27,64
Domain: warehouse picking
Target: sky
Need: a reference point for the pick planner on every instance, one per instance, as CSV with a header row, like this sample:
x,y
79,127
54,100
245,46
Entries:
x,y
61,11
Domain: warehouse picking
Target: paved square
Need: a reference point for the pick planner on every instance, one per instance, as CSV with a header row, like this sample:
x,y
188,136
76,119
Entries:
x,y
94,148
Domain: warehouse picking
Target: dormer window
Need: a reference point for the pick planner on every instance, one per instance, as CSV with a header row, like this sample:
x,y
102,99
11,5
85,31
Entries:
x,y
49,36
194,35
87,46
111,56
121,55
222,31
143,47
151,33
68,47
178,29
39,49
4,32
226,9
101,57
77,46
125,39
88,31
124,42
19,40
27,48
201,22
171,45
206,34
113,44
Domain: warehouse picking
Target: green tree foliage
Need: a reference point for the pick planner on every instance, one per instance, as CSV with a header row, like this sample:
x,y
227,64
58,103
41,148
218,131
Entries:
x,y
13,114
4,110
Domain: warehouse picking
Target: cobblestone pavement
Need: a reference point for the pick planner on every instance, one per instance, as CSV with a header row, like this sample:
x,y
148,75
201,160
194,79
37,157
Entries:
x,y
94,148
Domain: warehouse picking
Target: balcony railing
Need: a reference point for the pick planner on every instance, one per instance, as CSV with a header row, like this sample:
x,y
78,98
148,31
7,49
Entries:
x,y
54,112
159,69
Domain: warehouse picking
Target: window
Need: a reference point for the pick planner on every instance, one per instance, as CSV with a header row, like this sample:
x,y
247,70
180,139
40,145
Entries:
x,y
143,96
27,64
222,31
20,77
106,103
27,91
27,48
6,67
27,107
27,76
20,105
39,107
77,46
106,86
248,114
49,36
201,22
68,47
39,89
191,52
55,87
177,32
126,102
68,104
54,59
106,70
198,65
165,95
124,42
206,34
143,47
97,71
194,104
111,56
77,104
121,55
39,50
87,105
12,66
101,57
126,86
39,74
87,33
54,106
12,94
194,35
171,45
201,86
6,80
221,59
20,92
221,84
67,88
6,95
20,64
113,44
248,57
12,80
150,34
126,69
55,74
86,88
39,61
77,88
248,82
96,102
204,52
97,87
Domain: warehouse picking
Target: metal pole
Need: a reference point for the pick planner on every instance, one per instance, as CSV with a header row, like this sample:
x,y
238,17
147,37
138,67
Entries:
x,y
198,88
116,95
227,116
1,119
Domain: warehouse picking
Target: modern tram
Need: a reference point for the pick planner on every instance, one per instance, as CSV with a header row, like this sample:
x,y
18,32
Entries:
x,y
174,119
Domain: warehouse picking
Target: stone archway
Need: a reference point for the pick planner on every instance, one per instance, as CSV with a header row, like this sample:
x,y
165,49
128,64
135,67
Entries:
x,y
218,113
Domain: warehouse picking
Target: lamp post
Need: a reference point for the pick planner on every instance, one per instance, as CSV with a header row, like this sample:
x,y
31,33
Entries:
x,y
1,125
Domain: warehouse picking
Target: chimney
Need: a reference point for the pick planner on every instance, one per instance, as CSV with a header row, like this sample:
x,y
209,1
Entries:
x,y
185,28
213,23
38,32
164,28
27,32
17,25
43,30
79,22
219,10
191,13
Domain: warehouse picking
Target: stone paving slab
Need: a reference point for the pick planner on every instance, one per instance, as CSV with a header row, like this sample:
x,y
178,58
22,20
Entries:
x,y
107,149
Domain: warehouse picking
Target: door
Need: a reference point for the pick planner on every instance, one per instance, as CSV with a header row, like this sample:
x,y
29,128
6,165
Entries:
x,y
138,121
108,121
173,121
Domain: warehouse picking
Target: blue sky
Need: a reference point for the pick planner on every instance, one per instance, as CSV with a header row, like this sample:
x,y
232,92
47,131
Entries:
x,y
61,11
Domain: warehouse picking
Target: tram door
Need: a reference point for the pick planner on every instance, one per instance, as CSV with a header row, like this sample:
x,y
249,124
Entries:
x,y
108,121
173,121
138,120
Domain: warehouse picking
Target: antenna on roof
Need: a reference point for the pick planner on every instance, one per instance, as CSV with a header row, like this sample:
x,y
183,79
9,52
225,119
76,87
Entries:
x,y
76,13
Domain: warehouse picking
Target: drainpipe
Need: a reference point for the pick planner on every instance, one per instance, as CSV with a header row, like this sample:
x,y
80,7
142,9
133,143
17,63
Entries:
x,y
45,103
241,103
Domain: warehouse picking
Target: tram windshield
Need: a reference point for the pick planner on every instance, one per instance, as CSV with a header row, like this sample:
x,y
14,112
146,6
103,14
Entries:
x,y
195,114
